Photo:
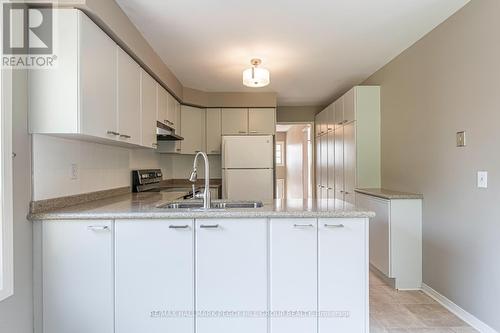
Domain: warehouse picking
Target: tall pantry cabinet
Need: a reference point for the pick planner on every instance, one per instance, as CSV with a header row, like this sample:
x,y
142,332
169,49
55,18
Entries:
x,y
348,145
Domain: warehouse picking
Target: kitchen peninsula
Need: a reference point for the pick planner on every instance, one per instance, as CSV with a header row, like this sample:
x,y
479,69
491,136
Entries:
x,y
135,263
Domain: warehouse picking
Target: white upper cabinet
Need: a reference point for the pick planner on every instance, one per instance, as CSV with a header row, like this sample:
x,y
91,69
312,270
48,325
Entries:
x,y
129,98
349,162
171,112
339,112
350,105
234,121
162,104
154,271
262,121
192,129
214,132
148,109
330,122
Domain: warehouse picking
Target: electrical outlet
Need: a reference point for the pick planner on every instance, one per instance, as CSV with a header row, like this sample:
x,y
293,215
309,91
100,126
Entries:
x,y
461,139
482,179
74,171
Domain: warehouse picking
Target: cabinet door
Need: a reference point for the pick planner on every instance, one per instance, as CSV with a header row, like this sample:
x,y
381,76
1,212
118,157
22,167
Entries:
x,y
171,116
234,121
97,58
154,276
162,105
129,98
339,163
214,135
349,162
331,162
192,129
293,274
339,112
350,105
262,121
323,127
343,275
318,167
317,125
330,121
77,259
148,110
324,161
231,274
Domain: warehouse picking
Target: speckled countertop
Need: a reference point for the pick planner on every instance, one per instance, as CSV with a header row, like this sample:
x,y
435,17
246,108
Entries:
x,y
145,206
389,194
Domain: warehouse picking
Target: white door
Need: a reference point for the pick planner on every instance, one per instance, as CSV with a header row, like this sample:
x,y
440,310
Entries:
x,y
231,275
162,104
343,275
214,134
293,274
154,275
350,105
349,162
234,121
192,129
324,161
339,163
339,112
148,110
171,117
97,60
77,259
262,121
248,184
331,164
254,152
129,98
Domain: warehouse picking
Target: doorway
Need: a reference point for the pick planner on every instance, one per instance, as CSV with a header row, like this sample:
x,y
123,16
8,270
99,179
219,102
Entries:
x,y
294,161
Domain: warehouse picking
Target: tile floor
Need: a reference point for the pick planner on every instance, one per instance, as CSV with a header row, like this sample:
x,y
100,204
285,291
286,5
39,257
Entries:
x,y
393,311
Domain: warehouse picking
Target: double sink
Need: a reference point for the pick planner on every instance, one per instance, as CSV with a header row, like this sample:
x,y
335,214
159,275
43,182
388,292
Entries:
x,y
216,204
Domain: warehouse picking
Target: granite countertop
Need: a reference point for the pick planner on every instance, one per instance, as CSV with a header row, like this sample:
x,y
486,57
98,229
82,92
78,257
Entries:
x,y
145,206
389,194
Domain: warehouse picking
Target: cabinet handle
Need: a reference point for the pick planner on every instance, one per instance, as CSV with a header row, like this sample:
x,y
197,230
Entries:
x,y
209,226
215,151
125,136
196,151
97,227
334,226
303,225
178,149
347,193
242,132
113,133
154,145
178,226
254,132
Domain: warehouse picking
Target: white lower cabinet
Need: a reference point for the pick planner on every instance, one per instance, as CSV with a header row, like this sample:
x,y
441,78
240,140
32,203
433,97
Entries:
x,y
343,275
231,275
77,277
293,275
154,276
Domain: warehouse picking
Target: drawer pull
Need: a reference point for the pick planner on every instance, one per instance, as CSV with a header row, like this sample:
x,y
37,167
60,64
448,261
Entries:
x,y
242,132
112,133
125,136
209,226
97,227
178,226
303,225
334,226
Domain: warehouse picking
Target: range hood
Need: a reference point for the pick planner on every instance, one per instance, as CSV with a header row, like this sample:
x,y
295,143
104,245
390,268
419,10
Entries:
x,y
166,133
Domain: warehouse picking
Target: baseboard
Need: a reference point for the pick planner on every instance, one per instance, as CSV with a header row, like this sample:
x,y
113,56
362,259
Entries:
x,y
458,311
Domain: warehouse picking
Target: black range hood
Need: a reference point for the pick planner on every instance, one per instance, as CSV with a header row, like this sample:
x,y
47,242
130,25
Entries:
x,y
166,133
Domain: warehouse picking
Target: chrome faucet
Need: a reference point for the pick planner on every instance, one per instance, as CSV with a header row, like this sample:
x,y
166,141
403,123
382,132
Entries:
x,y
207,202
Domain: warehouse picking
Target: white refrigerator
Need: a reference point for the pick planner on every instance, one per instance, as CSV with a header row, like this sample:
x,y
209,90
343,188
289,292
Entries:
x,y
248,168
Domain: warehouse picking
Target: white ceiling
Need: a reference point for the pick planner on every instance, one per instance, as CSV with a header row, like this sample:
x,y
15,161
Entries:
x,y
315,49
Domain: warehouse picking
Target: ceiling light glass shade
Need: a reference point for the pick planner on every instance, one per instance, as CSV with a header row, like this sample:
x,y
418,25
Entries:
x,y
256,77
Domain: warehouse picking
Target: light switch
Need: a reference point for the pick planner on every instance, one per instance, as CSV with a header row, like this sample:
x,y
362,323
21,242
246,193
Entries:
x,y
482,179
461,139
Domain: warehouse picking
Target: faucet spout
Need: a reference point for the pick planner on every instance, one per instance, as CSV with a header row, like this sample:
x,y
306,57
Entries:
x,y
207,200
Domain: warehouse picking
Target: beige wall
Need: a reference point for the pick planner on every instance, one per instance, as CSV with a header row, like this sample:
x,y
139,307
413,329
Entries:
x,y
445,83
286,114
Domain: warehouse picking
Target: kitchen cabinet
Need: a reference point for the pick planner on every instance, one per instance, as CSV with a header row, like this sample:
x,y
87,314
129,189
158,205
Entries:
x,y
349,162
339,163
231,274
192,129
162,104
395,238
330,116
324,166
330,137
318,167
214,131
171,111
154,273
349,100
293,274
262,121
148,110
78,97
339,112
234,121
77,278
343,275
129,98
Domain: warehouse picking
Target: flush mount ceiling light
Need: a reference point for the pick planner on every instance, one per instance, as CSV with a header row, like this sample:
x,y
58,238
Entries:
x,y
256,77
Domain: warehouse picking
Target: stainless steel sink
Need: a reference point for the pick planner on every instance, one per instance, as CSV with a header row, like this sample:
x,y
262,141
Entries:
x,y
188,204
